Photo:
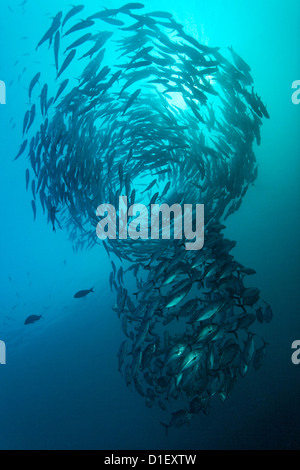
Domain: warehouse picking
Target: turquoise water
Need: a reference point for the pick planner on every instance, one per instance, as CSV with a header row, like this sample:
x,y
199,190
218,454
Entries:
x,y
60,387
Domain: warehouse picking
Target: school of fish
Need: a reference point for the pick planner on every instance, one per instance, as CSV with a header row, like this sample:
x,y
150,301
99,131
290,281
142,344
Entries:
x,y
134,106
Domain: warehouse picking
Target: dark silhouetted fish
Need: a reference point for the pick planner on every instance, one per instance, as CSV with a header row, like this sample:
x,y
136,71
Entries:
x,y
56,49
32,319
33,82
74,11
22,149
67,62
52,30
79,26
83,293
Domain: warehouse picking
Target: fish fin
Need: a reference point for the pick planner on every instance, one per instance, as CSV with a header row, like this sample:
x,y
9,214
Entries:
x,y
234,332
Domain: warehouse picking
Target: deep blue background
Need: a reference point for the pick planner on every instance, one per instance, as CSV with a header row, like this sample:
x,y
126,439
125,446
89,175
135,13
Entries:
x,y
61,388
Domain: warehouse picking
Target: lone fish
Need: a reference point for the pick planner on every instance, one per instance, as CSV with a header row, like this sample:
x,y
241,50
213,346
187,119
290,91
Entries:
x,y
83,293
32,319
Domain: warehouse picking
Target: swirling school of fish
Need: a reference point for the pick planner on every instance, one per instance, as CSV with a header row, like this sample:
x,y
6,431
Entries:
x,y
141,108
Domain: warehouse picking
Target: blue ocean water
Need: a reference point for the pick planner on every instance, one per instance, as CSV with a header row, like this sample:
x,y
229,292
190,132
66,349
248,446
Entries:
x,y
61,388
